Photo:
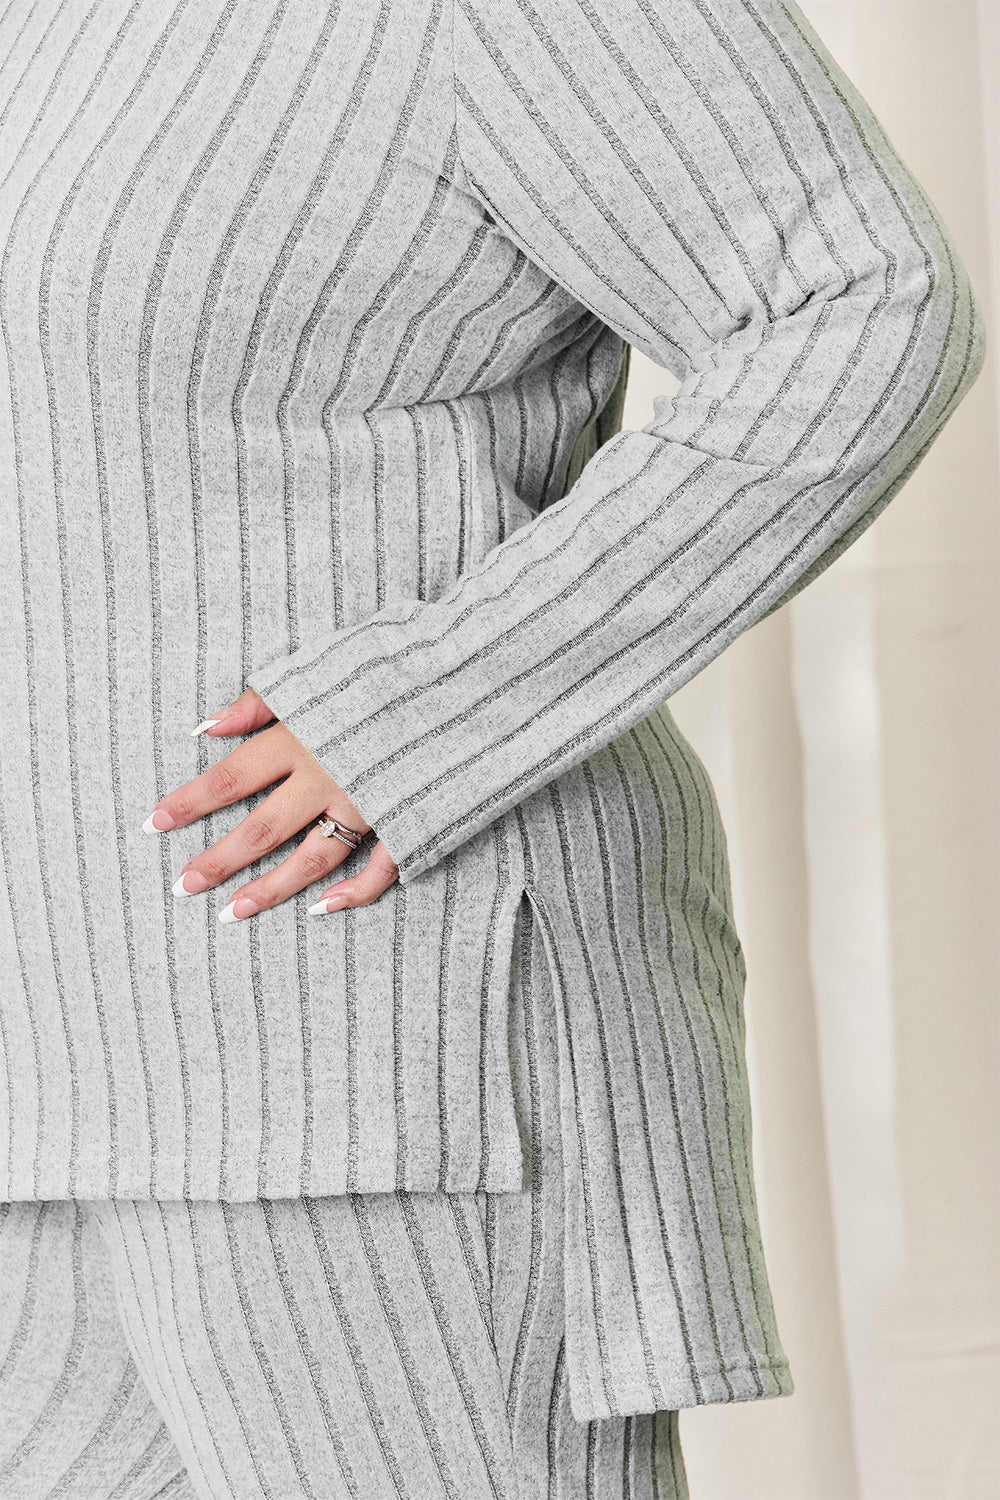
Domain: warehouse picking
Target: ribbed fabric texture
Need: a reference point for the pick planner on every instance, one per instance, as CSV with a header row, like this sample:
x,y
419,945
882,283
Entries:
x,y
315,326
333,1348
702,177
374,1346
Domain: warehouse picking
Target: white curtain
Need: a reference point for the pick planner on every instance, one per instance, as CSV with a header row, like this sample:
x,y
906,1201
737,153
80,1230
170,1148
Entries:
x,y
852,742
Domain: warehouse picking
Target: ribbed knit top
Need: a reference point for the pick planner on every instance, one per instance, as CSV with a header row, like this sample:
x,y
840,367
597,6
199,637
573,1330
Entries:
x,y
314,328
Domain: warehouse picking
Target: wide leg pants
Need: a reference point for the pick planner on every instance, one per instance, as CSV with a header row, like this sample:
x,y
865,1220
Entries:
x,y
370,1345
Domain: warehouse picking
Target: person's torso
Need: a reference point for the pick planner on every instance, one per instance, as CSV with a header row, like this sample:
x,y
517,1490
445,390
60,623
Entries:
x,y
270,368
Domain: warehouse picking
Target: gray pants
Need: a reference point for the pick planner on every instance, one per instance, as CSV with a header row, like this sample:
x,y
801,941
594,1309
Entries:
x,y
371,1345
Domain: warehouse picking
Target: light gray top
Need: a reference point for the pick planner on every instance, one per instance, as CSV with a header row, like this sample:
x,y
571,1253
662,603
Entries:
x,y
315,323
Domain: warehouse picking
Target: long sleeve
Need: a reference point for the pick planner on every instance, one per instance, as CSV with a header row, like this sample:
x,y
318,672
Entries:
x,y
704,178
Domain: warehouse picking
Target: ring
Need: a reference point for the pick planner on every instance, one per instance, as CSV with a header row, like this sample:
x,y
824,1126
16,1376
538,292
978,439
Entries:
x,y
330,828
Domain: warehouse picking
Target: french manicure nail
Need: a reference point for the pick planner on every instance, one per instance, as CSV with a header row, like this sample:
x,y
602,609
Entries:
x,y
152,826
196,882
248,908
206,725
329,903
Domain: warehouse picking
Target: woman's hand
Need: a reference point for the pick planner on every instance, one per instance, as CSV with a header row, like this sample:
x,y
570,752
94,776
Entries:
x,y
306,792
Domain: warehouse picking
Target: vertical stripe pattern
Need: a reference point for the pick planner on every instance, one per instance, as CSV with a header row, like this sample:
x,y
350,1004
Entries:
x,y
75,1417
365,1345
314,332
671,1300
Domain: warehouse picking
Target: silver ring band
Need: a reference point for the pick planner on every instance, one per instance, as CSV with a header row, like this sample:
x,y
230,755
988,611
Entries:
x,y
330,828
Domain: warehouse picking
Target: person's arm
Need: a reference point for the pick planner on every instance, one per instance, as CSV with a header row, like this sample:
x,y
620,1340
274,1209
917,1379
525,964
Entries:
x,y
703,177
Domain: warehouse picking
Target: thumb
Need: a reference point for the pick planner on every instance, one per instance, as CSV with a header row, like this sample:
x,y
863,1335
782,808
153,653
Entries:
x,y
248,711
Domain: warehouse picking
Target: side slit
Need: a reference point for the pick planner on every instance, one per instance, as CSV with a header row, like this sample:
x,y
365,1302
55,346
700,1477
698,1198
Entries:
x,y
582,1303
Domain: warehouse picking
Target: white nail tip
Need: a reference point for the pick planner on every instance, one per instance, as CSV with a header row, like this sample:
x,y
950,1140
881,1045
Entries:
x,y
319,909
148,827
206,725
178,887
227,914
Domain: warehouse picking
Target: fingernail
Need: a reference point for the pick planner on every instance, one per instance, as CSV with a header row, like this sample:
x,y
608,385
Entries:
x,y
330,903
247,908
195,882
206,725
152,826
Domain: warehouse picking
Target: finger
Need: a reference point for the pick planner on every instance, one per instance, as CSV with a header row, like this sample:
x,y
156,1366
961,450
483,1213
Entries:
x,y
290,807
313,860
247,712
253,765
369,883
